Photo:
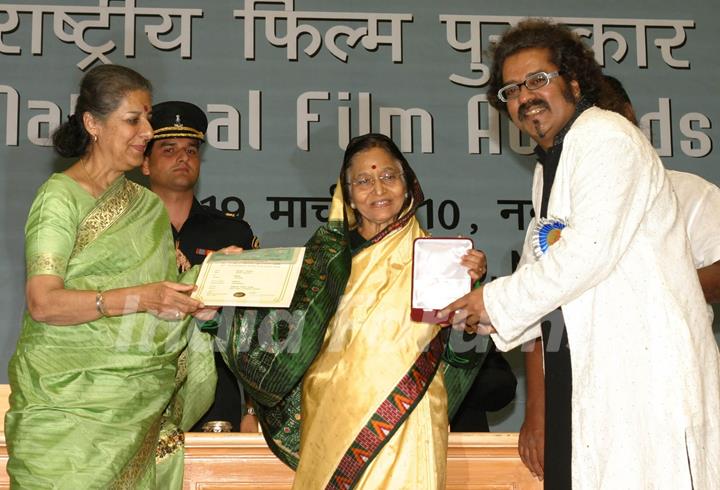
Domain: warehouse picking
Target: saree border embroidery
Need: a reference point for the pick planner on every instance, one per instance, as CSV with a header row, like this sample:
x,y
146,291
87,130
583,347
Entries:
x,y
46,263
139,464
286,438
169,443
388,418
110,207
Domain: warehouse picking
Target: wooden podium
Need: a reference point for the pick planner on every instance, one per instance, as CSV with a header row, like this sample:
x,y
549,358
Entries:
x,y
230,461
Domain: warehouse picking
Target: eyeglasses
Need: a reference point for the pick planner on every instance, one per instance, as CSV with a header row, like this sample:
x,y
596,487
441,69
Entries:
x,y
365,182
533,82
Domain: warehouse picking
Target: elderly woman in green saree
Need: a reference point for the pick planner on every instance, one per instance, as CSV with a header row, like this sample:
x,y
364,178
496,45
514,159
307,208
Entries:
x,y
348,390
107,352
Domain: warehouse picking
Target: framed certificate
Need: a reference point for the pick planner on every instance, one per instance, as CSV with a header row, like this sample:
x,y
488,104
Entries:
x,y
438,277
254,278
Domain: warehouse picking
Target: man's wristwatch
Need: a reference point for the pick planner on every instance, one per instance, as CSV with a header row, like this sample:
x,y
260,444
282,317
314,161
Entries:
x,y
250,411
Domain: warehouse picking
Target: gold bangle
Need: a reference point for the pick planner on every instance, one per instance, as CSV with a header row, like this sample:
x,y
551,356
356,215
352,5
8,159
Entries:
x,y
100,304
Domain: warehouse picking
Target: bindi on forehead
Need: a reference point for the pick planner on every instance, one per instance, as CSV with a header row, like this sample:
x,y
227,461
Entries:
x,y
373,166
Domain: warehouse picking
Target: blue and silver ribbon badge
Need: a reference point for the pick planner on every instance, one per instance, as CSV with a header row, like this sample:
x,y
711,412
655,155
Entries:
x,y
547,232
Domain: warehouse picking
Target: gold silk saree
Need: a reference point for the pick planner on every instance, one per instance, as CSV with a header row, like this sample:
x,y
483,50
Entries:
x,y
349,390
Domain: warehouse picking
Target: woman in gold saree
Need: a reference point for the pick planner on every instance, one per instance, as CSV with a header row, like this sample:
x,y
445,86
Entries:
x,y
102,365
371,410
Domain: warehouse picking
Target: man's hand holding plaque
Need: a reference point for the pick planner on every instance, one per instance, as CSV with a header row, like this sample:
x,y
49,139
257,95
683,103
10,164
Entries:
x,y
439,276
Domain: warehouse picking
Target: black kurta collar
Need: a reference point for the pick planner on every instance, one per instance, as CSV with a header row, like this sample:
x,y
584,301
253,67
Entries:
x,y
549,159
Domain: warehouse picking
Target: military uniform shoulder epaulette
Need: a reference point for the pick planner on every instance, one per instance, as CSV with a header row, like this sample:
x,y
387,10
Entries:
x,y
235,218
216,213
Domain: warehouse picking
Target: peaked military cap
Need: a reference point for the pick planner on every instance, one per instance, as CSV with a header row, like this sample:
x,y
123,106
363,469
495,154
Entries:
x,y
177,119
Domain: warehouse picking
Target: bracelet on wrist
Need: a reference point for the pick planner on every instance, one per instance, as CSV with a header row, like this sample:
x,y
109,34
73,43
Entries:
x,y
100,304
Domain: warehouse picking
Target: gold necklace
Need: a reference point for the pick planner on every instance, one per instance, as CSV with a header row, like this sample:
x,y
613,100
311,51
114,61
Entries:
x,y
93,183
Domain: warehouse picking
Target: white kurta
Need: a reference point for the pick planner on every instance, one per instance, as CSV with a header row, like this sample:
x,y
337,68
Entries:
x,y
699,202
645,365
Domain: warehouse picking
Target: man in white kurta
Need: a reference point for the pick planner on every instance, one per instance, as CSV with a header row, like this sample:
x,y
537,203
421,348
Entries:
x,y
645,403
699,202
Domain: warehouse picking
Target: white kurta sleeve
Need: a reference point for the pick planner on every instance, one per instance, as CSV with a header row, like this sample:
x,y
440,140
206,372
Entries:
x,y
533,331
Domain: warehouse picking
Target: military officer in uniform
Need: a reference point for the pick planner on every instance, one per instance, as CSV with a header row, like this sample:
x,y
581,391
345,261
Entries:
x,y
172,164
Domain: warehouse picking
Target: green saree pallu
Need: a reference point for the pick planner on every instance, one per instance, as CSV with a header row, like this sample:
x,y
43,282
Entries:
x,y
344,293
102,404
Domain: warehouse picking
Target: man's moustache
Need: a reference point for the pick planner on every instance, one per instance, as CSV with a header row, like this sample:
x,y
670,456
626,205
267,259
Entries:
x,y
526,106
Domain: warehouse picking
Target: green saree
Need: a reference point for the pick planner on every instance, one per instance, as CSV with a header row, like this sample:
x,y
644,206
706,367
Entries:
x,y
103,404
